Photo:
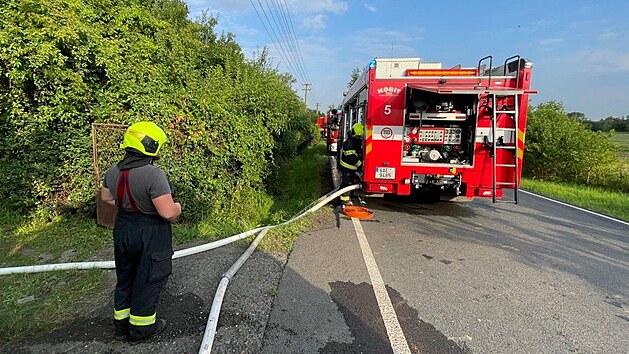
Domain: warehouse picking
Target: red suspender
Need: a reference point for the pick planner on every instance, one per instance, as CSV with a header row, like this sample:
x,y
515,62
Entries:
x,y
122,189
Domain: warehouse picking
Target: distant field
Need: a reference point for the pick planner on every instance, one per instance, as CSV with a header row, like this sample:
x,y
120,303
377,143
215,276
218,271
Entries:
x,y
622,140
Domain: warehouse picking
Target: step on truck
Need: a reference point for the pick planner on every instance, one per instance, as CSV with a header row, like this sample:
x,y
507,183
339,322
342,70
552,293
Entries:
x,y
453,133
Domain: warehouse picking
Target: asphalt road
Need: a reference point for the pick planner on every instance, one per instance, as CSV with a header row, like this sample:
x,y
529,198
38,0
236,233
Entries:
x,y
537,277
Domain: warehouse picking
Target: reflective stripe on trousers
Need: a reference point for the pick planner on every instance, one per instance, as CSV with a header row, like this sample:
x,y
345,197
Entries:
x,y
122,314
142,320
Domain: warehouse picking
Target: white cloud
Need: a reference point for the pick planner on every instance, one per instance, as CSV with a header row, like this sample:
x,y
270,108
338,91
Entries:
x,y
586,24
234,7
317,6
550,41
371,8
315,22
594,60
606,60
607,35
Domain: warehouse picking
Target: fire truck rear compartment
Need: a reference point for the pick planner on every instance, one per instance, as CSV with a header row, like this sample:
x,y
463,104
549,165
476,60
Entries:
x,y
438,129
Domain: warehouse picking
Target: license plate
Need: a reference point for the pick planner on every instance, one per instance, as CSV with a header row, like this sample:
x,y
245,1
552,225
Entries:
x,y
385,172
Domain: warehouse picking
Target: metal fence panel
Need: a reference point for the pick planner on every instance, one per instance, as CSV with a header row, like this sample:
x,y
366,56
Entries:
x,y
106,140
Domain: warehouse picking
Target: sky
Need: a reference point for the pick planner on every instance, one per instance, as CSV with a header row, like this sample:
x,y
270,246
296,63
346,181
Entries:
x,y
579,49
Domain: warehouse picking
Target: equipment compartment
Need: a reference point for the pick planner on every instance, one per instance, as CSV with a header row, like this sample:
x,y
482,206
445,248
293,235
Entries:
x,y
439,128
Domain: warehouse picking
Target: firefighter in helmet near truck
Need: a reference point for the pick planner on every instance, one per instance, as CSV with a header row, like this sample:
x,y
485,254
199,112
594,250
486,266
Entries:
x,y
351,160
143,232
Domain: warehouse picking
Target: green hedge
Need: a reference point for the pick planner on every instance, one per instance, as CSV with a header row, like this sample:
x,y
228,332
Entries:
x,y
560,148
67,63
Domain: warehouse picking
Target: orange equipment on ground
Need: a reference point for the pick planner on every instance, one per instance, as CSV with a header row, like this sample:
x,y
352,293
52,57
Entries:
x,y
358,212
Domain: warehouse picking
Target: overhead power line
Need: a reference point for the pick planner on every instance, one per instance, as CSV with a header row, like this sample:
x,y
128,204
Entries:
x,y
276,43
290,30
277,21
277,16
289,24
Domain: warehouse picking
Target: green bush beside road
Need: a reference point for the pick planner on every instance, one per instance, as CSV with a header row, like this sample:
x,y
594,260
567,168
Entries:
x,y
231,123
69,63
559,148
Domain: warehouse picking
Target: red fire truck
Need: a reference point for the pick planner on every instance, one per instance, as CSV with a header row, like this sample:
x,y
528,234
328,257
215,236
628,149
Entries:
x,y
322,122
332,131
456,133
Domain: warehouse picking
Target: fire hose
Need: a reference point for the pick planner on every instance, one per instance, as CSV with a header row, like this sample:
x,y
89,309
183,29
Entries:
x,y
212,321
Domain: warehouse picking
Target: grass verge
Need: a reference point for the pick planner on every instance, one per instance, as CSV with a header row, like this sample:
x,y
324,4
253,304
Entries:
x,y
614,204
38,302
31,303
295,186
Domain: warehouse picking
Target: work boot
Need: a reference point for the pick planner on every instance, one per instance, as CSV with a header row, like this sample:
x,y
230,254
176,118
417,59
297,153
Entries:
x,y
147,332
121,329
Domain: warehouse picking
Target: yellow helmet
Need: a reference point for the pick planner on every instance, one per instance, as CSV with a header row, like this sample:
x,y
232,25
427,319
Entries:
x,y
146,137
358,129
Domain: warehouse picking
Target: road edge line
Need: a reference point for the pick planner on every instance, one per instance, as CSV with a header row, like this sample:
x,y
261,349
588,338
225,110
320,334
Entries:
x,y
389,316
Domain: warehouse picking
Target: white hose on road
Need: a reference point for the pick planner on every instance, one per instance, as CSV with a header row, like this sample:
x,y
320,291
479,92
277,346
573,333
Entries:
x,y
181,253
212,321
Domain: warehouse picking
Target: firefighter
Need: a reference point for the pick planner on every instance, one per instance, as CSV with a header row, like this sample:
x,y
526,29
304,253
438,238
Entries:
x,y
351,160
334,118
142,233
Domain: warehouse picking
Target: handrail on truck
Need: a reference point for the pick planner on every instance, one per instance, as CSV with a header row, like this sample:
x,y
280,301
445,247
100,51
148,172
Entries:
x,y
517,73
491,67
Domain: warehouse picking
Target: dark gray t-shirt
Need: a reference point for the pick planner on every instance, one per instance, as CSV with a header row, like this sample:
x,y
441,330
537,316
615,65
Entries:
x,y
146,183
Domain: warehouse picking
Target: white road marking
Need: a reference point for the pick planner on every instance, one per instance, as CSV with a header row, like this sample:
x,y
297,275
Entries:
x,y
391,323
576,207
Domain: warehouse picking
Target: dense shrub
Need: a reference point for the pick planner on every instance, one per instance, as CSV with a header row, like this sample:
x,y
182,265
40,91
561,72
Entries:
x,y
559,148
65,64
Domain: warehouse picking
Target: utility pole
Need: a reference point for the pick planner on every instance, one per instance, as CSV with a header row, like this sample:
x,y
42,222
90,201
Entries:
x,y
317,107
306,89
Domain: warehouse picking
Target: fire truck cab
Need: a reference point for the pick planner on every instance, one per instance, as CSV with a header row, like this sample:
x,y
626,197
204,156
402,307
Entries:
x,y
457,133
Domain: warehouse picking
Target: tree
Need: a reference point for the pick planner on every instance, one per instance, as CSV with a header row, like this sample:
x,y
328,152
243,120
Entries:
x,y
354,76
618,124
579,116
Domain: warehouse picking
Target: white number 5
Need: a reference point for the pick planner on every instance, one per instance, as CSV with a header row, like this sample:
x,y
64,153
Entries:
x,y
387,109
